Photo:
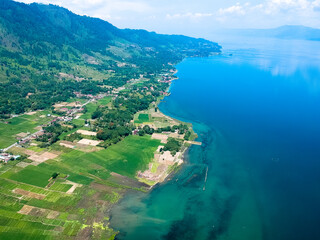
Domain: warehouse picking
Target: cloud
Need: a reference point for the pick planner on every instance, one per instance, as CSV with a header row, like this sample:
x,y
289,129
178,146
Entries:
x,y
271,7
188,15
104,9
287,11
201,16
234,10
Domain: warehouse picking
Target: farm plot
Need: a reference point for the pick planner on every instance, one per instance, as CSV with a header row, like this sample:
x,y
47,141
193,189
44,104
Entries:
x,y
142,118
39,158
127,157
89,142
32,175
22,124
29,194
87,133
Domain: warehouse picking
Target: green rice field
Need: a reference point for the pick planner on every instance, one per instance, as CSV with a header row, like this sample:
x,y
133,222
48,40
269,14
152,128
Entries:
x,y
142,118
34,206
60,215
24,123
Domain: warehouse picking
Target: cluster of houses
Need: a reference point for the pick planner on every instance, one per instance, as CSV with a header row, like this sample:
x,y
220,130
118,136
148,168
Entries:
x,y
90,96
166,78
6,157
117,90
63,118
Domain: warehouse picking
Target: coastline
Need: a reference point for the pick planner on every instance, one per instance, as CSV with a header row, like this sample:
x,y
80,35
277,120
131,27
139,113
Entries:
x,y
171,172
173,164
101,190
119,210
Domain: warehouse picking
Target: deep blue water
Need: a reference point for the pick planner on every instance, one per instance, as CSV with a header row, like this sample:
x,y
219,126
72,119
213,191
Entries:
x,y
256,109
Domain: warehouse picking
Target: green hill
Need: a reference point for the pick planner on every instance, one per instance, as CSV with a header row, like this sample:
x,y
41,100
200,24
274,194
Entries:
x,y
60,188
41,45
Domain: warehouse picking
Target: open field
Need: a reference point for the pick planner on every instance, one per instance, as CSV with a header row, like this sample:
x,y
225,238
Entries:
x,y
81,100
30,175
61,187
91,107
90,179
104,101
87,185
89,142
154,119
142,118
127,157
87,133
21,124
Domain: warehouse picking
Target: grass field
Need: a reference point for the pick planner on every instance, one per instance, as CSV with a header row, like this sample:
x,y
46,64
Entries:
x,y
127,157
82,100
67,220
32,175
91,107
104,101
24,123
142,118
35,148
61,187
69,212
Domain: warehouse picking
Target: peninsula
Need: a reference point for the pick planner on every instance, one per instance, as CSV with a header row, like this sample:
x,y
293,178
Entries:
x,y
79,118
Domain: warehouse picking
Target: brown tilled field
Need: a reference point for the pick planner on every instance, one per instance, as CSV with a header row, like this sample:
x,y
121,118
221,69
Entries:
x,y
29,194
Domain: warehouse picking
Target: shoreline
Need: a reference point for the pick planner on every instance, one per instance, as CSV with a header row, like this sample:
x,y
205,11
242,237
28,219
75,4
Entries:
x,y
164,175
169,174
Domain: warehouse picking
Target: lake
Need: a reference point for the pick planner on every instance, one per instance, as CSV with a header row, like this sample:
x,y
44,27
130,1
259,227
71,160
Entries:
x,y
256,109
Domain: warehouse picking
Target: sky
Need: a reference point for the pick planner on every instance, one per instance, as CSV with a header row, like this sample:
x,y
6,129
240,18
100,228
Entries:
x,y
196,17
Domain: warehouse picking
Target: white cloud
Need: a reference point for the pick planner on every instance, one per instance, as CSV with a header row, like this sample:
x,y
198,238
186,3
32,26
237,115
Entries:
x,y
99,8
271,7
234,10
288,11
188,15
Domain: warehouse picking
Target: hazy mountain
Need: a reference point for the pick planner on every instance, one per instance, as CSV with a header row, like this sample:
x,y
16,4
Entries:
x,y
283,32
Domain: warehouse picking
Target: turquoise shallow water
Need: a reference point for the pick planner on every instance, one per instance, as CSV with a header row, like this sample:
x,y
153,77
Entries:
x,y
256,110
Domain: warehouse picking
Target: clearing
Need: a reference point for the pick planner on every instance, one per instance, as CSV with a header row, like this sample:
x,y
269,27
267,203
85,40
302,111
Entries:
x,y
87,133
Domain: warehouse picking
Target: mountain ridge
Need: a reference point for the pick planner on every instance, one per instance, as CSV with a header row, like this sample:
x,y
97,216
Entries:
x,y
40,42
77,29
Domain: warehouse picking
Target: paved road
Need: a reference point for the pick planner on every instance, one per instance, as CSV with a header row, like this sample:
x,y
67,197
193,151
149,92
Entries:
x,y
25,138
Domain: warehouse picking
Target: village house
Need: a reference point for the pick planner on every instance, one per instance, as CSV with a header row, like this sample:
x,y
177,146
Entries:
x,y
6,157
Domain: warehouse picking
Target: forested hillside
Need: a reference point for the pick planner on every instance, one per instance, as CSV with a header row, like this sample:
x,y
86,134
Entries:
x,y
47,52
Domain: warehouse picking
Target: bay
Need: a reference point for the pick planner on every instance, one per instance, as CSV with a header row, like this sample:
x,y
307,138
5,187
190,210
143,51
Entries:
x,y
256,110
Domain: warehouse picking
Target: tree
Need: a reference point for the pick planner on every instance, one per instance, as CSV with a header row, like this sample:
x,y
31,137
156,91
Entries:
x,y
96,114
172,145
187,135
54,175
142,132
148,129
